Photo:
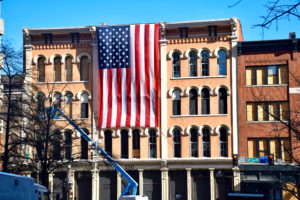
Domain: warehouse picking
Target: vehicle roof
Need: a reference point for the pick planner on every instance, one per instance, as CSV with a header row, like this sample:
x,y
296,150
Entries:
x,y
15,175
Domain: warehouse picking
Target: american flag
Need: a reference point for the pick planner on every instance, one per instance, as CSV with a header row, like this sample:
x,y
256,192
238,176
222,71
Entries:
x,y
128,75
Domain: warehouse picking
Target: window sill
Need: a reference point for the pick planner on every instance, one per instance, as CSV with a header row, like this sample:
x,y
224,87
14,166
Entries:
x,y
258,122
197,77
212,115
273,85
61,82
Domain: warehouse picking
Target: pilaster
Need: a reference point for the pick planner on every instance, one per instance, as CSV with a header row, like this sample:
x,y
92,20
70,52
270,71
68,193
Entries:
x,y
119,185
189,183
236,179
164,181
95,182
141,181
212,183
51,184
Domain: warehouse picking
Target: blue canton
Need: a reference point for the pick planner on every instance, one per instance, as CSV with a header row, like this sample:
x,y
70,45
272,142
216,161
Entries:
x,y
113,47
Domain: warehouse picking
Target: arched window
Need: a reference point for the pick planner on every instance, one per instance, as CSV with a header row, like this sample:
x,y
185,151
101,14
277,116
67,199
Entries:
x,y
124,143
57,103
41,69
223,142
193,102
68,104
176,101
152,143
177,142
222,101
194,142
176,64
84,145
204,63
193,63
206,142
68,145
84,105
69,68
84,68
222,62
205,102
57,69
136,143
108,141
56,148
41,98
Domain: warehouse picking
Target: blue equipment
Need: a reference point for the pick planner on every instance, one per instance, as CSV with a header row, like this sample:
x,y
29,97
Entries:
x,y
131,187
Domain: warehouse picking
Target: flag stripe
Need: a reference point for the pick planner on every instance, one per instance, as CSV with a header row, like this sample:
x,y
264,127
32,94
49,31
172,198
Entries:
x,y
142,74
100,107
105,96
156,72
109,97
137,75
147,76
124,98
152,79
133,80
119,97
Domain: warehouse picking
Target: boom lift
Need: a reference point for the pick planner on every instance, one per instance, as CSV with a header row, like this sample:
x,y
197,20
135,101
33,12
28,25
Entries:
x,y
130,190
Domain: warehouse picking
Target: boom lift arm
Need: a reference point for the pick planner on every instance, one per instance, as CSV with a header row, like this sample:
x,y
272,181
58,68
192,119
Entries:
x,y
131,187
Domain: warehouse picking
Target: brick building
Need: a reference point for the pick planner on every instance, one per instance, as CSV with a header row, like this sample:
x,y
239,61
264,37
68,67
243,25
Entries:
x,y
268,100
189,153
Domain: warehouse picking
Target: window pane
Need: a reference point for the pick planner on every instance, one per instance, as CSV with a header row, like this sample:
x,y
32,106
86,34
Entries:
x,y
152,143
223,142
252,148
261,111
176,102
193,102
108,142
251,114
273,111
68,69
286,149
284,111
193,63
84,68
41,70
194,142
263,147
222,62
84,146
206,142
283,75
176,64
205,63
272,75
84,110
205,104
250,76
68,145
136,143
177,142
261,76
57,69
124,143
222,101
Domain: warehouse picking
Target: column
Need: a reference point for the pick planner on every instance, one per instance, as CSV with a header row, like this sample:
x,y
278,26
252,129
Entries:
x,y
141,182
95,182
164,181
72,192
189,183
163,86
119,186
236,179
212,184
51,183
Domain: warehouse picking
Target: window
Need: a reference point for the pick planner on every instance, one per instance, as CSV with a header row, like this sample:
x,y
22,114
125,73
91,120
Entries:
x,y
84,68
206,142
57,69
222,101
176,101
205,105
152,143
193,102
68,145
84,145
57,103
176,64
222,62
136,143
124,143
69,69
279,147
41,97
267,111
68,104
266,75
204,63
41,70
193,63
56,148
108,142
84,106
194,142
223,142
177,142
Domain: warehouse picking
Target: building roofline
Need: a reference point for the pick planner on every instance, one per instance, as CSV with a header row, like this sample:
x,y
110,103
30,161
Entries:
x,y
210,22
36,31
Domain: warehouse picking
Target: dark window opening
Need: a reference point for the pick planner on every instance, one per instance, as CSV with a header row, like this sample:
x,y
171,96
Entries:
x,y
205,102
41,70
136,143
223,142
177,142
193,63
222,62
68,145
176,64
176,101
152,143
222,101
124,143
204,63
194,142
84,146
206,142
84,68
193,102
108,142
84,110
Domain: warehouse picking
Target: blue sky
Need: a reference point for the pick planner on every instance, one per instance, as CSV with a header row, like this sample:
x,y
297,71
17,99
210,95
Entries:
x,y
18,14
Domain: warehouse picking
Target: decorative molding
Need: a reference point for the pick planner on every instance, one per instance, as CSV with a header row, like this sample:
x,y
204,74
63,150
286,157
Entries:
x,y
36,58
68,55
147,131
82,92
126,128
204,49
51,59
188,129
173,127
187,53
175,50
84,54
221,86
206,126
138,128
175,88
216,51
64,93
113,132
207,87
187,90
217,129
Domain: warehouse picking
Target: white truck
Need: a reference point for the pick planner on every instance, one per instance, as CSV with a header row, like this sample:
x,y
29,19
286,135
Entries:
x,y
16,187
